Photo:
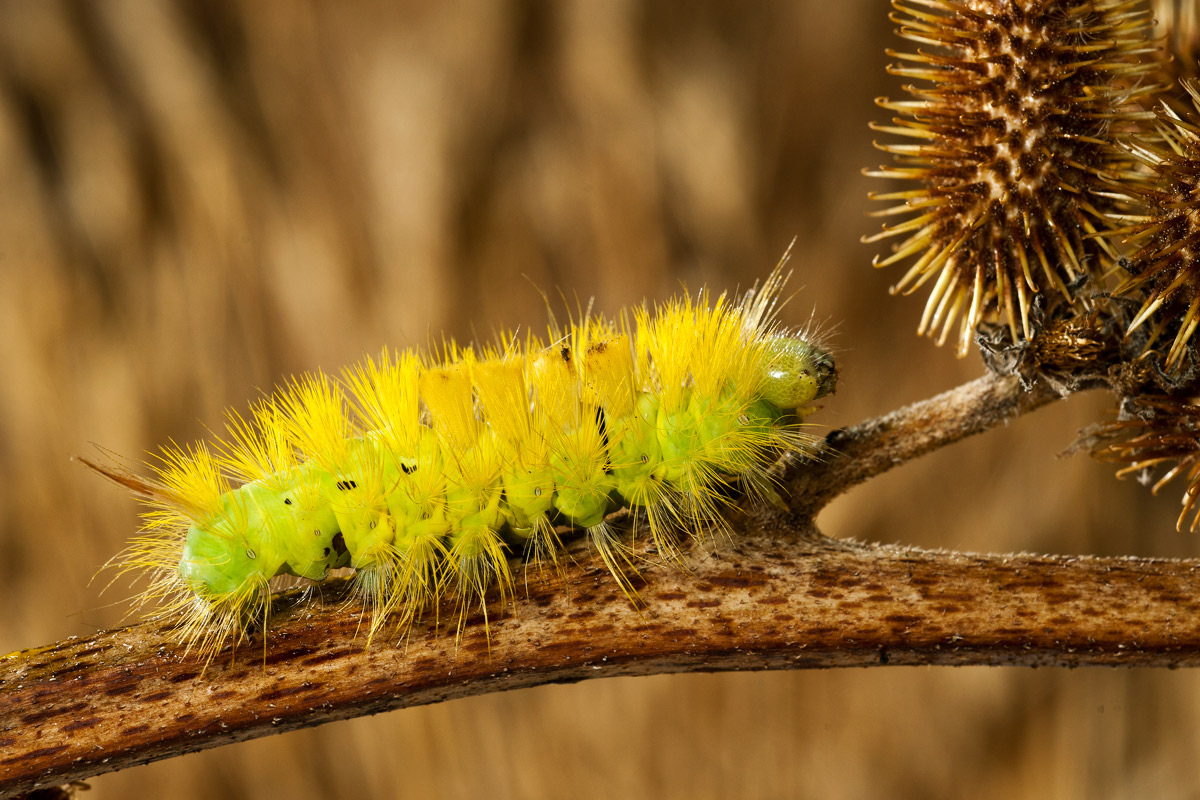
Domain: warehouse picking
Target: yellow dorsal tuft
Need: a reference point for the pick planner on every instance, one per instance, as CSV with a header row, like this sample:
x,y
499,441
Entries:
x,y
259,449
388,400
315,418
192,486
504,397
446,391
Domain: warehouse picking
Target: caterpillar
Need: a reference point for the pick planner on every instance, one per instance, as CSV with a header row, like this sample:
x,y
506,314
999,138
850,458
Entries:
x,y
424,472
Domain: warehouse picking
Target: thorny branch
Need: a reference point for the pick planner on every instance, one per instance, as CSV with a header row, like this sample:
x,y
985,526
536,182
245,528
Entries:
x,y
776,595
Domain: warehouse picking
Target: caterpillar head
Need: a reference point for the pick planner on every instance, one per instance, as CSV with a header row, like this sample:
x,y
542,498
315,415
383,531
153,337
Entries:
x,y
796,372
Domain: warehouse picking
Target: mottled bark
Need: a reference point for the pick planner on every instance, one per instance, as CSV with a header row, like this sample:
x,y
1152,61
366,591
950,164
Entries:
x,y
772,594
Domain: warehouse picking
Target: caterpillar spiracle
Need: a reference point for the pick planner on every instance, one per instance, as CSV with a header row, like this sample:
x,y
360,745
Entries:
x,y
424,472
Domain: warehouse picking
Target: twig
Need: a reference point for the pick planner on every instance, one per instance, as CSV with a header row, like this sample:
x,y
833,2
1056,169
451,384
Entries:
x,y
877,445
779,595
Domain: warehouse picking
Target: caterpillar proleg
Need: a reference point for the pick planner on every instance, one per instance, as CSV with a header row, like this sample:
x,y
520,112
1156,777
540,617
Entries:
x,y
424,473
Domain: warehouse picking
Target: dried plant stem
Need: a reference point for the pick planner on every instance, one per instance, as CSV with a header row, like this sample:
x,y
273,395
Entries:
x,y
778,595
879,444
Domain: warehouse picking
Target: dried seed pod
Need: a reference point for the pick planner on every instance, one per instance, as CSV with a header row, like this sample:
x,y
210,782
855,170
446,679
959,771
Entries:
x,y
1155,432
1163,269
1008,137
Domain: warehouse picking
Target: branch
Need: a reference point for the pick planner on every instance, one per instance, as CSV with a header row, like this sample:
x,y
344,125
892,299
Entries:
x,y
778,595
771,600
877,445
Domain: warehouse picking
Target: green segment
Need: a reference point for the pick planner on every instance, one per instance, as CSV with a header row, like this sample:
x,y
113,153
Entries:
x,y
235,549
637,458
474,489
212,566
309,544
528,497
583,486
358,497
264,531
417,496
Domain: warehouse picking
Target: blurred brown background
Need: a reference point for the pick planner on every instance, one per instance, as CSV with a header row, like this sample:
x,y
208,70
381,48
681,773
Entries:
x,y
202,197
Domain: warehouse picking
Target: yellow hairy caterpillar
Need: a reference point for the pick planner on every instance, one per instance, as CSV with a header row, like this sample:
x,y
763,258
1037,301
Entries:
x,y
423,473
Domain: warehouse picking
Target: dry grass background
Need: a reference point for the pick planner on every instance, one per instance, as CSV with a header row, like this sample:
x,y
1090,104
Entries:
x,y
202,197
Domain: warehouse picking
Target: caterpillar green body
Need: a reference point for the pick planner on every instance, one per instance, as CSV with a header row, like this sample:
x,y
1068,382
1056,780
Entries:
x,y
424,476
